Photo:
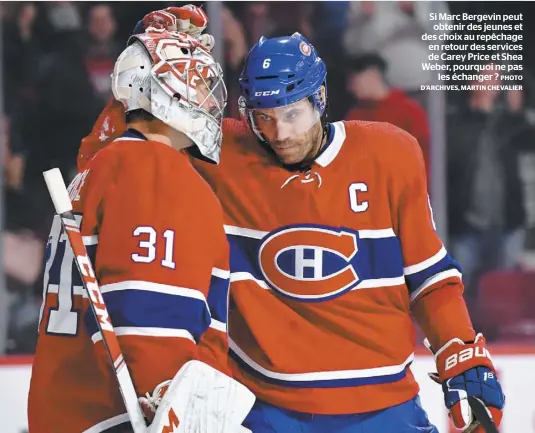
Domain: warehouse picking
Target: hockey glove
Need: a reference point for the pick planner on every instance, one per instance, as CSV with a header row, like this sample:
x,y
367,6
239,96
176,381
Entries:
x,y
188,19
465,370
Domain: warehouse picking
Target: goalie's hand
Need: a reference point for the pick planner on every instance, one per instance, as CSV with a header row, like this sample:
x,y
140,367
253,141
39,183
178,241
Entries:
x,y
150,402
188,19
466,370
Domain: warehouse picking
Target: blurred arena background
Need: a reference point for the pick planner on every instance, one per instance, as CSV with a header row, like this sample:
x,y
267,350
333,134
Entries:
x,y
479,147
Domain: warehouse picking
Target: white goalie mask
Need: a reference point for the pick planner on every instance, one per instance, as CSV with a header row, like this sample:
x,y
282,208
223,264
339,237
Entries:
x,y
173,77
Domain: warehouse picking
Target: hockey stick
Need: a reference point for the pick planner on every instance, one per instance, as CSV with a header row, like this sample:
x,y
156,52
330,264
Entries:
x,y
62,203
482,415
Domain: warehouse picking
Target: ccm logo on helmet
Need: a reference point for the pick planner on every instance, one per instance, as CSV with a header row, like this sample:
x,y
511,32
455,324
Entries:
x,y
309,263
267,93
465,355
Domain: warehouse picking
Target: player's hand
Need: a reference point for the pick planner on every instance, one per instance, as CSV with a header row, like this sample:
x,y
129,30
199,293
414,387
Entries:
x,y
188,19
466,370
149,404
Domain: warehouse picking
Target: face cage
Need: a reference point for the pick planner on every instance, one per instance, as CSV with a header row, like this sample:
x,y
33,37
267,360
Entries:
x,y
201,120
211,89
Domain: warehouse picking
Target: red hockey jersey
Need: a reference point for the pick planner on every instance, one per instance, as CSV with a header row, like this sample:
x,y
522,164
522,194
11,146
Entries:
x,y
155,232
325,266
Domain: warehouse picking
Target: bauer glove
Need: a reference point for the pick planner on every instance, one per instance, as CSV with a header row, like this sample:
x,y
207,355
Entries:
x,y
468,377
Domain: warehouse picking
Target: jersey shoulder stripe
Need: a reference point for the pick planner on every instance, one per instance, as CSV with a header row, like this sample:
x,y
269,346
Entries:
x,y
140,304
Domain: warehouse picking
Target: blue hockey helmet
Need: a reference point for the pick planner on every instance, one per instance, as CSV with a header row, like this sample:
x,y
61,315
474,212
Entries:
x,y
281,71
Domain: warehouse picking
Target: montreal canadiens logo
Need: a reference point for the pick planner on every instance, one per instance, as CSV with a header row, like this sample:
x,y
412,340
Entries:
x,y
309,263
305,48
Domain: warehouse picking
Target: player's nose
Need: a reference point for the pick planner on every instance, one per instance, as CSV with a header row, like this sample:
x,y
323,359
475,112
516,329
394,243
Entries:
x,y
284,131
210,104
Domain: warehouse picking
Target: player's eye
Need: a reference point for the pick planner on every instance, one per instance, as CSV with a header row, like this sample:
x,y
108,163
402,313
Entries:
x,y
263,117
292,115
210,82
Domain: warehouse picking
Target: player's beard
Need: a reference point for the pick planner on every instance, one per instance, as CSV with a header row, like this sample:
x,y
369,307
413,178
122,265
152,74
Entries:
x,y
301,151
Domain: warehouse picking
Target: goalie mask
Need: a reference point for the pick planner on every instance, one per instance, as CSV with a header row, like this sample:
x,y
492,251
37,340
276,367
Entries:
x,y
173,77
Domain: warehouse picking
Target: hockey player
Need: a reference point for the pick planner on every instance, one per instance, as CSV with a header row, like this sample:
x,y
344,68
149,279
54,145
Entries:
x,y
333,241
155,232
333,246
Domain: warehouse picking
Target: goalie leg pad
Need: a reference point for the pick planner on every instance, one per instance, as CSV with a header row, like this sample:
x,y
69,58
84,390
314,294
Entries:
x,y
201,399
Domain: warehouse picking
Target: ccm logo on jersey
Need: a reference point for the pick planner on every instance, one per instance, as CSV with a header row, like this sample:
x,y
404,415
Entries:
x,y
309,263
93,291
465,355
267,93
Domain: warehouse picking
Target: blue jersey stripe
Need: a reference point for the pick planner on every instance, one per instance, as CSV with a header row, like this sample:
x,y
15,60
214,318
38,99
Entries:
x,y
376,258
140,308
415,281
218,298
329,383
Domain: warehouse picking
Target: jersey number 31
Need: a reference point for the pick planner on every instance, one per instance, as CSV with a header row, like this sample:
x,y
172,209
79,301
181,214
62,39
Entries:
x,y
61,276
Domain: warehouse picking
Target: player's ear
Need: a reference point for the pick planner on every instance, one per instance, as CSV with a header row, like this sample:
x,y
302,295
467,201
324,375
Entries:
x,y
323,94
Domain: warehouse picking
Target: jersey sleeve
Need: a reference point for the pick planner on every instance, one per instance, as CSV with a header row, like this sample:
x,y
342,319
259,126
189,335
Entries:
x,y
213,347
432,276
159,267
109,125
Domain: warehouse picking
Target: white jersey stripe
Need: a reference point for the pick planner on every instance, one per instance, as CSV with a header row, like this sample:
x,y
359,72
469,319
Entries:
x,y
380,282
108,423
376,234
259,234
364,284
435,279
218,326
147,332
321,375
128,139
221,273
153,287
246,276
247,233
433,260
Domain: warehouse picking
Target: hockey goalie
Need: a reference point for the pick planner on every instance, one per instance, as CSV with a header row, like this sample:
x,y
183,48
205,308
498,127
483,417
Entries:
x,y
154,231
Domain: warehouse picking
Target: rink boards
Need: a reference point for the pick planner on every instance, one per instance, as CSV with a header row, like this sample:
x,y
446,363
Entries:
x,y
516,366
